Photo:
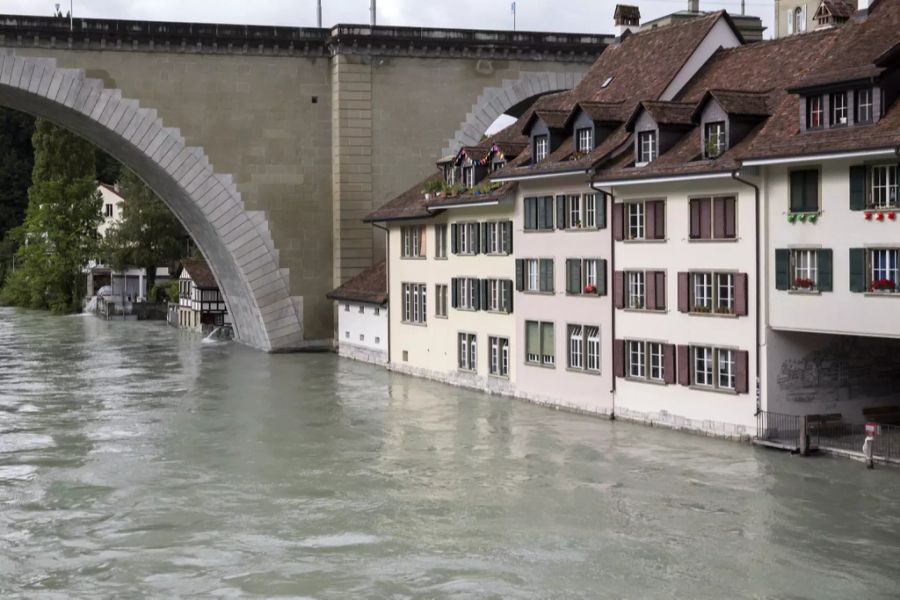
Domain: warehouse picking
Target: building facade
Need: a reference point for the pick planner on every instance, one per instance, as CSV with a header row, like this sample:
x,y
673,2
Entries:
x,y
362,316
201,305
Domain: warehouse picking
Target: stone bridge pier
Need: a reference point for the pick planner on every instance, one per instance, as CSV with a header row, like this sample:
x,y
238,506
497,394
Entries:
x,y
270,144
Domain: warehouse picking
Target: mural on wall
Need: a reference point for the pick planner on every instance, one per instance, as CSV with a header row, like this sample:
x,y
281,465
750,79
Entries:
x,y
847,369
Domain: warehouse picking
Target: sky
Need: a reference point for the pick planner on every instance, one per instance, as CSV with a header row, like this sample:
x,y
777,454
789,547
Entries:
x,y
576,16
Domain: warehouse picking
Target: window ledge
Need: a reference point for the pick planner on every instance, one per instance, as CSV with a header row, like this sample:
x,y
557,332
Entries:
x,y
539,365
646,241
582,229
497,254
882,294
805,292
714,390
645,380
583,371
414,324
537,293
713,240
469,371
497,312
497,376
440,258
445,317
465,309
584,295
413,258
713,314
538,230
652,311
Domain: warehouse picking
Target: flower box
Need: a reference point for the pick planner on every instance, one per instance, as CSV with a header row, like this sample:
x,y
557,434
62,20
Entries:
x,y
804,284
590,289
883,285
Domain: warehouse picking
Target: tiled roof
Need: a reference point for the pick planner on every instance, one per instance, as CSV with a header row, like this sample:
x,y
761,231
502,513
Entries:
x,y
200,273
489,194
737,103
626,11
602,112
839,8
408,205
370,287
664,113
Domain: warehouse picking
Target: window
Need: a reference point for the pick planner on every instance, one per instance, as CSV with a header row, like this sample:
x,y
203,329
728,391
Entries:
x,y
440,300
585,140
805,190
377,311
414,303
634,215
646,147
864,106
839,114
468,292
714,139
184,291
798,24
541,147
883,272
450,175
468,352
713,367
539,343
362,310
539,213
466,238
712,293
637,366
883,186
362,337
468,174
413,241
634,291
499,356
645,360
584,348
533,267
498,237
805,270
713,218
440,241
498,164
644,220
347,335
377,340
815,112
575,213
108,210
585,276
590,211
538,275
499,295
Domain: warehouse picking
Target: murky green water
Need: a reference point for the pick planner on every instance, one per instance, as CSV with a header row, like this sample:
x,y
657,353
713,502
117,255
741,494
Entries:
x,y
137,462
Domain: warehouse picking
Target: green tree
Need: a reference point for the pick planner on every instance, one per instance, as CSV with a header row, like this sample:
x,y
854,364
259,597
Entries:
x,y
149,235
59,236
109,170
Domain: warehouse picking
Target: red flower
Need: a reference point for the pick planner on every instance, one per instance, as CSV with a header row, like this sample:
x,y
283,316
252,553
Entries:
x,y
892,216
883,285
590,289
868,216
804,283
880,217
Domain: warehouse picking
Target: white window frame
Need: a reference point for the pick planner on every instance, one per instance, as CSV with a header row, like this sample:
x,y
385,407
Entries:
x,y
725,371
467,351
887,267
576,346
540,359
589,209
440,300
498,349
585,137
804,266
415,303
637,361
840,107
883,188
647,147
865,105
468,293
468,176
533,275
635,221
412,238
815,107
714,132
702,366
541,147
440,241
635,290
575,212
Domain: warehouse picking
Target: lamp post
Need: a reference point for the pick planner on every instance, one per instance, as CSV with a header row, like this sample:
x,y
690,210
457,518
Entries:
x,y
71,16
514,15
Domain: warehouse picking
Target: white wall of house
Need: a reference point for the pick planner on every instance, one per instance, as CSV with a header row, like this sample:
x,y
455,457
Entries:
x,y
578,389
690,407
431,349
111,209
363,331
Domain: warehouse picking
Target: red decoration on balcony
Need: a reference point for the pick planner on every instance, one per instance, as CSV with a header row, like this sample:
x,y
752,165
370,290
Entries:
x,y
803,283
880,216
868,216
892,216
883,285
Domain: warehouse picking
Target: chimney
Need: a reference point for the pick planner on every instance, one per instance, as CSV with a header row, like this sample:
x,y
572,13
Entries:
x,y
694,6
627,19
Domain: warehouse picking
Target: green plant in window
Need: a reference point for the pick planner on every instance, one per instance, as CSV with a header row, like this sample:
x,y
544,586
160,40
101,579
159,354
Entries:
x,y
813,218
712,149
792,218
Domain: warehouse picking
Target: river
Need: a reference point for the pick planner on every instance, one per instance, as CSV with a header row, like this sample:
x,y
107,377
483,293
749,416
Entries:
x,y
136,461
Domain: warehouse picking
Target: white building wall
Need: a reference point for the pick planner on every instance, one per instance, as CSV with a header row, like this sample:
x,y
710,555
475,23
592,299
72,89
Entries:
x,y
115,200
715,412
363,331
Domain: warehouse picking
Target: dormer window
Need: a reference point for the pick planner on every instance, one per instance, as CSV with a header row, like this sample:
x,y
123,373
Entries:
x,y
646,147
541,147
864,106
450,175
839,114
815,112
714,139
497,164
585,140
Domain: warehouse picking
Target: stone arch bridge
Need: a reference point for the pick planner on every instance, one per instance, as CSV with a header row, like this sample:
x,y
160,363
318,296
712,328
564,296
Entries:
x,y
270,144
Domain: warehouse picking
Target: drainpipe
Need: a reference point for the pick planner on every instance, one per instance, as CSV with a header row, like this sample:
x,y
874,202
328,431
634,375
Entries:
x,y
759,279
610,280
387,274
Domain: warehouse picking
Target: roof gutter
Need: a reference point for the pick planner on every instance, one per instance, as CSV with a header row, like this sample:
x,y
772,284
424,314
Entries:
x,y
466,205
786,160
646,180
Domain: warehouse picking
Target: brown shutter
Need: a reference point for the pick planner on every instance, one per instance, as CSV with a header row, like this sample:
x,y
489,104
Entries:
x,y
619,289
684,302
618,218
669,363
650,221
684,366
719,217
660,220
731,217
619,358
741,372
695,218
740,294
650,292
705,219
660,290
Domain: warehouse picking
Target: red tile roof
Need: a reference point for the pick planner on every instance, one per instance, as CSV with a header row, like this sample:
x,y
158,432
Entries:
x,y
369,287
200,273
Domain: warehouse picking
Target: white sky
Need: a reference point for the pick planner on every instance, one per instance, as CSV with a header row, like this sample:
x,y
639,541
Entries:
x,y
581,16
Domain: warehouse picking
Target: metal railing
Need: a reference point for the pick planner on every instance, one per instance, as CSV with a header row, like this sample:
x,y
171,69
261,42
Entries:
x,y
779,429
849,437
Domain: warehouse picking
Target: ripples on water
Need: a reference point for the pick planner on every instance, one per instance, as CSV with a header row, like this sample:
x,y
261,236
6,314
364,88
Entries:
x,y
137,462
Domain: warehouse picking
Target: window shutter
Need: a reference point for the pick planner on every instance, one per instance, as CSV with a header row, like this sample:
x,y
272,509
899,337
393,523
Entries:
x,y
740,294
857,270
731,217
619,358
508,286
705,219
618,221
508,246
573,275
475,229
789,15
741,369
811,195
782,269
422,245
669,363
802,23
485,293
650,292
548,212
601,277
454,238
619,289
541,216
797,189
684,302
546,273
684,365
857,187
520,274
561,206
600,204
825,262
660,290
660,221
529,214
454,296
695,218
650,221
719,217
483,237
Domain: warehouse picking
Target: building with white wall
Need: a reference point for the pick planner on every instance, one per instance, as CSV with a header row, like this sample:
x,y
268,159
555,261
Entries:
x,y
362,305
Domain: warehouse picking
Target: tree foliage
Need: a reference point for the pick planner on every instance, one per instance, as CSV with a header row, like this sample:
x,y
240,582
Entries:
x,y
59,235
16,164
149,235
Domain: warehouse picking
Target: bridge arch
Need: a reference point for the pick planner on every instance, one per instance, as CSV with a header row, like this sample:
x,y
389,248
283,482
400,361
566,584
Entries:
x,y
498,100
236,242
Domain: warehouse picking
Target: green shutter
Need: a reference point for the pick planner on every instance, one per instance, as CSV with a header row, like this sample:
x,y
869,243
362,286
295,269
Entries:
x,y
811,195
857,187
532,337
520,274
782,269
573,275
601,277
562,205
548,343
600,204
797,187
546,274
825,262
857,270
548,212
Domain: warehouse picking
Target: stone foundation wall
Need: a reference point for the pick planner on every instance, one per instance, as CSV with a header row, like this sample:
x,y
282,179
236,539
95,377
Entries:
x,y
367,355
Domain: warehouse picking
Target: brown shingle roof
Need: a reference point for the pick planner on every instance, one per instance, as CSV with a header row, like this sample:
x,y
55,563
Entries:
x,y
200,273
678,114
838,8
475,197
408,205
627,12
370,287
738,103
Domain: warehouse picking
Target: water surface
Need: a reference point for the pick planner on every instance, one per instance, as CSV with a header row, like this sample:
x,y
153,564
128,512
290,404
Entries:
x,y
136,461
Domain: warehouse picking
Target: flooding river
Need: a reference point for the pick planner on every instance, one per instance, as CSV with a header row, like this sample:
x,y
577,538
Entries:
x,y
136,461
